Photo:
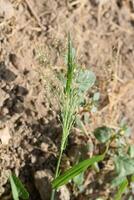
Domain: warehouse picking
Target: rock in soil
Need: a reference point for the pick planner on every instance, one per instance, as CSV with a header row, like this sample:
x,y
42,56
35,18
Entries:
x,y
64,193
43,183
43,180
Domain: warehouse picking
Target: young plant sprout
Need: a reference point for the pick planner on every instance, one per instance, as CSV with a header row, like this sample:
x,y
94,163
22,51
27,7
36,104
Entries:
x,y
78,81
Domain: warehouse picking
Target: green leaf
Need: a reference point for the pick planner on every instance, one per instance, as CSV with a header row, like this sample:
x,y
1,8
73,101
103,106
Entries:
x,y
14,189
103,134
122,188
18,190
117,181
96,167
124,166
132,178
96,96
79,179
131,151
75,170
85,79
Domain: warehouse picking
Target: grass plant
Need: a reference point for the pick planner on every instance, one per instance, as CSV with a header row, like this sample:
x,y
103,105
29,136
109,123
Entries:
x,y
77,83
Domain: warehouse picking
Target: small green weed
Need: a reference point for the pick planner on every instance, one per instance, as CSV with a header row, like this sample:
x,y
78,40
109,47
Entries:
x,y
78,82
18,189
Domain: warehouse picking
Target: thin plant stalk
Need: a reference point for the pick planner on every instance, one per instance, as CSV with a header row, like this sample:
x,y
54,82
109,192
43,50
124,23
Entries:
x,y
68,108
56,174
77,83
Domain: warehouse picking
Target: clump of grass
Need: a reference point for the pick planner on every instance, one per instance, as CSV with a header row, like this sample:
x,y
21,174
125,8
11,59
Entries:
x,y
78,81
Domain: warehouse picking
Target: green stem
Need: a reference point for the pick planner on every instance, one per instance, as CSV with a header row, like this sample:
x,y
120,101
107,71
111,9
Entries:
x,y
68,116
57,173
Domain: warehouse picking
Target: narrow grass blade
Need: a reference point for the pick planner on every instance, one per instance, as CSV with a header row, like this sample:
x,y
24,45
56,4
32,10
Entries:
x,y
14,189
70,65
75,170
121,190
18,190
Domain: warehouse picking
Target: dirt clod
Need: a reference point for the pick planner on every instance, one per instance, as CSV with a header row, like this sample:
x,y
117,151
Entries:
x,y
43,180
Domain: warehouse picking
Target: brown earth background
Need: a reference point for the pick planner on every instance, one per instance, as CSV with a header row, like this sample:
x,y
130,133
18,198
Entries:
x,y
103,35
